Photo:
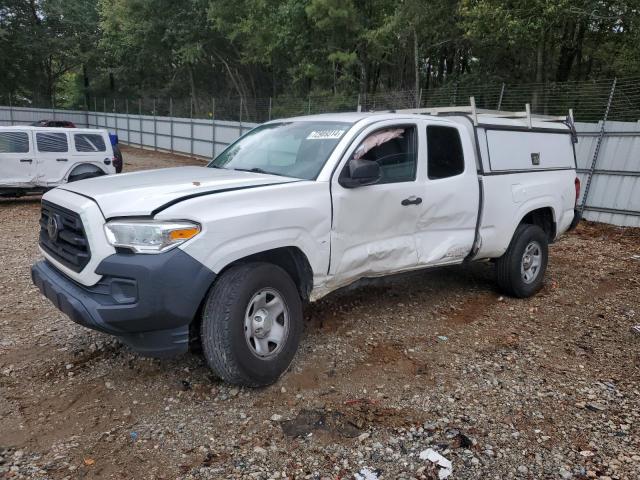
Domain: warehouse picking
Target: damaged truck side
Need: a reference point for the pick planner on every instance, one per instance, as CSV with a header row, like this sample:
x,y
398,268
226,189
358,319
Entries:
x,y
293,210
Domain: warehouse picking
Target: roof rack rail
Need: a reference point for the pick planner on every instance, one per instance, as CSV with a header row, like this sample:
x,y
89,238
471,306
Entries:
x,y
476,112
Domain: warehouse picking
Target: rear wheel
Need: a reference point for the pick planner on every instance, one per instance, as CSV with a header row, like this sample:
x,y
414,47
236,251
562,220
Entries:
x,y
251,324
520,271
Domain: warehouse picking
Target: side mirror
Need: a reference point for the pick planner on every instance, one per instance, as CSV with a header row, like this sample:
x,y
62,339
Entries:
x,y
360,173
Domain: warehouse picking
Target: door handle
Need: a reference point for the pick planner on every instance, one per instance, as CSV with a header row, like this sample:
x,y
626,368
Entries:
x,y
61,159
26,160
411,201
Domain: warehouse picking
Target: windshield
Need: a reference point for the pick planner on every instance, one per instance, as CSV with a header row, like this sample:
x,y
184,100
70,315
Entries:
x,y
292,149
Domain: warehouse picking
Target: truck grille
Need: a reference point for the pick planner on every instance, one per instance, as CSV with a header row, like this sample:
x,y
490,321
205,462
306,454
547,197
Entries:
x,y
62,236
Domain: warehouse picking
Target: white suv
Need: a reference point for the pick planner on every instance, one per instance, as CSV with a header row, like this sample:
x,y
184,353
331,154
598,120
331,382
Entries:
x,y
35,159
293,210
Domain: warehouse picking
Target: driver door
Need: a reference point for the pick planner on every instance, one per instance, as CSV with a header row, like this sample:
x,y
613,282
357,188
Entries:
x,y
374,226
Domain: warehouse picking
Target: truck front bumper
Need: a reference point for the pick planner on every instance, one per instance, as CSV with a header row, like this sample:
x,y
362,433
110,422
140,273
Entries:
x,y
147,301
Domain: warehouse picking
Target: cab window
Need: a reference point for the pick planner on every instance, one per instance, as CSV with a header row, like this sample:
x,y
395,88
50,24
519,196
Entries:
x,y
444,152
394,149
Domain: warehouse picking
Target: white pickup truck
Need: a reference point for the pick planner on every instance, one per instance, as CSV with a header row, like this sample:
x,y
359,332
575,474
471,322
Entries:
x,y
293,210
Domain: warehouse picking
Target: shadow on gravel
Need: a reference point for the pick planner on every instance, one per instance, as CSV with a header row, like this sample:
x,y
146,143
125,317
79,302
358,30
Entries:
x,y
17,201
380,294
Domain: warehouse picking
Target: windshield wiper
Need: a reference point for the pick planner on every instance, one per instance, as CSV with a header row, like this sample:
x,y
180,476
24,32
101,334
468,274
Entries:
x,y
258,170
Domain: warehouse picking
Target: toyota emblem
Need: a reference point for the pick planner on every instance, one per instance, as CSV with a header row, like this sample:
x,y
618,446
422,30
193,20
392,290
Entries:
x,y
52,228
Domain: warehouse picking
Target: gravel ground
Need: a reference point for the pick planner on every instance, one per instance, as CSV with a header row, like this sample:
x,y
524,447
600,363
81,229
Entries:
x,y
547,387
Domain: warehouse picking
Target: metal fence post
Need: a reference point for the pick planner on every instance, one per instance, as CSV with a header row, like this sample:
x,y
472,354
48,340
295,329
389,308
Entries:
x,y
155,131
359,107
86,111
270,102
115,117
594,161
501,97
240,118
53,107
104,110
309,106
10,111
126,103
191,127
171,122
213,127
140,120
95,112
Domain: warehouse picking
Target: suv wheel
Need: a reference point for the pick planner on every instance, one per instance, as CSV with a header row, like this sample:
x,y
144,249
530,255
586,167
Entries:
x,y
83,176
520,271
251,324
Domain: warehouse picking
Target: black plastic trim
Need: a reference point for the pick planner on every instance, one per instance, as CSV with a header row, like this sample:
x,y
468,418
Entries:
x,y
533,170
70,245
148,301
526,129
577,216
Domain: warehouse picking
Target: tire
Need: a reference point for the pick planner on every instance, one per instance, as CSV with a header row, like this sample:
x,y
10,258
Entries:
x,y
511,273
118,160
241,302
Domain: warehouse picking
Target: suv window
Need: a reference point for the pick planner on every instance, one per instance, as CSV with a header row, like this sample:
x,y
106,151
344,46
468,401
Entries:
x,y
14,142
394,149
444,151
52,142
89,142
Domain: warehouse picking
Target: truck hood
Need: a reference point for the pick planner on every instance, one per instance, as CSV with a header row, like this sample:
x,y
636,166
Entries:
x,y
149,191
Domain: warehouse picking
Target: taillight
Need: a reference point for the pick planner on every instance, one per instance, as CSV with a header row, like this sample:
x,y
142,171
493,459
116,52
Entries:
x,y
577,184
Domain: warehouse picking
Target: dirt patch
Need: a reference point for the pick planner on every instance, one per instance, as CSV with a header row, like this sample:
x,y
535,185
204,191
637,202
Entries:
x,y
437,359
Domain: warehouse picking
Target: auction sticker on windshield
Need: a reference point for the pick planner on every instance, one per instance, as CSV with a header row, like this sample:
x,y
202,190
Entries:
x,y
325,134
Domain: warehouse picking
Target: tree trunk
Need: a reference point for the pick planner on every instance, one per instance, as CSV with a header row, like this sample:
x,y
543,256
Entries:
x,y
535,99
441,68
192,86
428,74
85,77
363,77
578,54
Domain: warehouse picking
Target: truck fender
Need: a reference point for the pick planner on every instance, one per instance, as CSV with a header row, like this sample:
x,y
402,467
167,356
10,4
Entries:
x,y
235,249
527,207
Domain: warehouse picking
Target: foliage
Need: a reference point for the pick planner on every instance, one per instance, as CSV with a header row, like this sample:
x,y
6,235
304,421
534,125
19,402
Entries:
x,y
67,50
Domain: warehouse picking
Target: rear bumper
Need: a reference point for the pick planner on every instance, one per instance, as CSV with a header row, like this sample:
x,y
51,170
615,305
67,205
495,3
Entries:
x,y
147,301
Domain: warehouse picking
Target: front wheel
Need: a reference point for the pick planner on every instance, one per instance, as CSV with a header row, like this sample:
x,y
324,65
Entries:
x,y
251,324
520,271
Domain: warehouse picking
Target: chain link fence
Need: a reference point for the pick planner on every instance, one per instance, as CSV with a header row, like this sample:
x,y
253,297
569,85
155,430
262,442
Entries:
x,y
588,99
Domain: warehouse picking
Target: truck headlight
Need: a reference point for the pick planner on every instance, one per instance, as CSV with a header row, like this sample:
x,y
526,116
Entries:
x,y
149,236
